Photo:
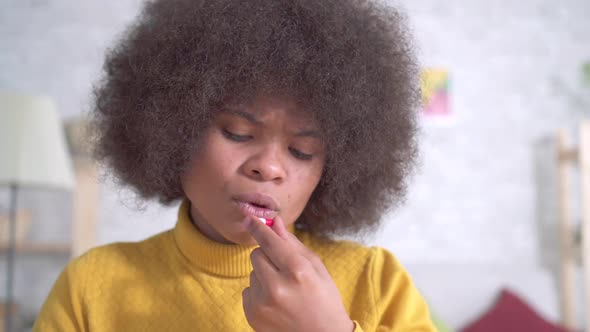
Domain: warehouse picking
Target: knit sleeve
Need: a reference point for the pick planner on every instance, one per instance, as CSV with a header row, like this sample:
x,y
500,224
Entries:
x,y
63,309
398,305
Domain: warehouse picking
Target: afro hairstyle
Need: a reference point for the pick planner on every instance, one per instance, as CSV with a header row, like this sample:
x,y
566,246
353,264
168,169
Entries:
x,y
350,63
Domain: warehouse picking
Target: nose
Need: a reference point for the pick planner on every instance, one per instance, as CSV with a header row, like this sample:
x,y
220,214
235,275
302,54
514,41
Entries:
x,y
266,165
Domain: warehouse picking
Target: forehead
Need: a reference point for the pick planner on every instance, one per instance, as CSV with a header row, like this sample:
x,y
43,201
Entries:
x,y
262,109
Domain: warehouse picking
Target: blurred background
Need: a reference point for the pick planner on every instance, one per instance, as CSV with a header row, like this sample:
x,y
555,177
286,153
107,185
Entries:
x,y
501,78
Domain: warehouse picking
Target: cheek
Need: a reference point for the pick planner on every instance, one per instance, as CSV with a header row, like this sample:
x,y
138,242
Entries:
x,y
305,181
213,163
221,154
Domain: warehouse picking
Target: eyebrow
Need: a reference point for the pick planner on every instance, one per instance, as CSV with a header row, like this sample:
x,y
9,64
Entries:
x,y
252,118
246,115
309,133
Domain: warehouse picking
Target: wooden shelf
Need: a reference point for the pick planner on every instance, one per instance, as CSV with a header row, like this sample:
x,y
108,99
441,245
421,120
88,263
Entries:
x,y
39,248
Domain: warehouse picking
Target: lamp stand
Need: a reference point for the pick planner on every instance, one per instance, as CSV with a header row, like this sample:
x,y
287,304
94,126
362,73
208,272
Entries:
x,y
10,259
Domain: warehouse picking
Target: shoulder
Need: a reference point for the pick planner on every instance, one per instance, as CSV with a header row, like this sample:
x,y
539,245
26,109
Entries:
x,y
120,257
349,257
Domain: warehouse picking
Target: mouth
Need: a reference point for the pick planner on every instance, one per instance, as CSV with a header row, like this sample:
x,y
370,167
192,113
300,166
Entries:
x,y
257,205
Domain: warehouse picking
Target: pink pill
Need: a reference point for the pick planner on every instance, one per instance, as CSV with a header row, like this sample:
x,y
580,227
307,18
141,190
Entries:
x,y
267,222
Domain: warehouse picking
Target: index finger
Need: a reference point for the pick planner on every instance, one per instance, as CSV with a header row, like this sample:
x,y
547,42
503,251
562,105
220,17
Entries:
x,y
278,249
281,230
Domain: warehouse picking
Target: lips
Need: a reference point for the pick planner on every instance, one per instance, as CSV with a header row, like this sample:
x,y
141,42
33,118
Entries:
x,y
257,204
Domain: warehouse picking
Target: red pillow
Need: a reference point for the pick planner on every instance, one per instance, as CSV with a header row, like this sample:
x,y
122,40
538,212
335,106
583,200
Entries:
x,y
511,314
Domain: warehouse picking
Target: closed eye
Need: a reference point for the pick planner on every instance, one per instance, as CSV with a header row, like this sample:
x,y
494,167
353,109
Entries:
x,y
235,137
300,155
243,138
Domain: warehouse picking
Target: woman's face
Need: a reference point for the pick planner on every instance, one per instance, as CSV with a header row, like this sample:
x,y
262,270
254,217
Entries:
x,y
261,159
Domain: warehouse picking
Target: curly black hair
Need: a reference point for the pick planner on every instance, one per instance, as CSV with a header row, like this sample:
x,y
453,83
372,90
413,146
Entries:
x,y
350,63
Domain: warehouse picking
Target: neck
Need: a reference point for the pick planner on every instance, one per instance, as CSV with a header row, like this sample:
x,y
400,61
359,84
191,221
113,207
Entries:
x,y
206,228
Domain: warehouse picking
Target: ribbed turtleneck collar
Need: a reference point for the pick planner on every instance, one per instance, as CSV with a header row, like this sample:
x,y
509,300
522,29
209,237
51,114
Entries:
x,y
225,260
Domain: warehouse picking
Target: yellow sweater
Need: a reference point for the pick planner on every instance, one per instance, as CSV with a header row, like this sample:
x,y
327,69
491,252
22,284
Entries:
x,y
179,280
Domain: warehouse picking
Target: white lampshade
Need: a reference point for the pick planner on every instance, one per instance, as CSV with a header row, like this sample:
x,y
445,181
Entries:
x,y
33,149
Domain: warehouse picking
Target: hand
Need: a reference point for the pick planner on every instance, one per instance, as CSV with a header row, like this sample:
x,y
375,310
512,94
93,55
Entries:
x,y
290,288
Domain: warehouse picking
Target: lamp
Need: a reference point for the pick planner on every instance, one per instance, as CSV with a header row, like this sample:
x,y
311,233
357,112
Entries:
x,y
33,153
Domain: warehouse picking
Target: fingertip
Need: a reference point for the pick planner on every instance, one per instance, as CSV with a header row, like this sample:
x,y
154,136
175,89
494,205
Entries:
x,y
279,226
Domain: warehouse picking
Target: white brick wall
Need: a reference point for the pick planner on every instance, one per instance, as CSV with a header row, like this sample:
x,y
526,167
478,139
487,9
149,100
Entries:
x,y
479,209
477,217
